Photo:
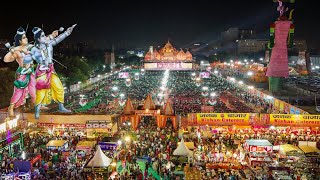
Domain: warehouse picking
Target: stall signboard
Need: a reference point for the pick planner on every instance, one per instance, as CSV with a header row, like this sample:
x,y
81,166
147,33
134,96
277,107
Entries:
x,y
108,146
95,170
294,120
222,119
95,124
66,125
260,148
124,75
35,159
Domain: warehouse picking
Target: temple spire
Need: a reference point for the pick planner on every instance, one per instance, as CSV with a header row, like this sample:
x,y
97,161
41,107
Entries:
x,y
148,103
168,110
128,108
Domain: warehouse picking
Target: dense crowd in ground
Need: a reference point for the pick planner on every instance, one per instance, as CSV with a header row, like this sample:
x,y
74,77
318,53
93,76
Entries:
x,y
218,152
185,93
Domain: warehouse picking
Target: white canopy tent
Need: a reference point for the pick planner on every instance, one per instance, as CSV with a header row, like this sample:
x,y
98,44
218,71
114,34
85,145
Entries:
x,y
182,150
99,159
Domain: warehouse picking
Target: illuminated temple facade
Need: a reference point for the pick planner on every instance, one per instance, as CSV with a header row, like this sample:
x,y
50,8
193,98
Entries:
x,y
168,57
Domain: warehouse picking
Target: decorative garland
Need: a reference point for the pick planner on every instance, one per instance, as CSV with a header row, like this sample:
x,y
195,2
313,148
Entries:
x,y
122,102
83,102
212,102
204,93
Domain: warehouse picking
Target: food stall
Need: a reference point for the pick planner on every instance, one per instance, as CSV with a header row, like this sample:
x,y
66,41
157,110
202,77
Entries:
x,y
97,127
258,151
57,145
84,147
289,152
310,150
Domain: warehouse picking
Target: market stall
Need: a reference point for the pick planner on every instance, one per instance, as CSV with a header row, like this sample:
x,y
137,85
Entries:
x,y
290,150
258,151
57,145
182,150
98,164
84,148
85,145
310,150
289,153
258,145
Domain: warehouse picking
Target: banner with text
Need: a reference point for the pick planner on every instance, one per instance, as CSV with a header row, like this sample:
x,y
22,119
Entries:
x,y
294,120
227,119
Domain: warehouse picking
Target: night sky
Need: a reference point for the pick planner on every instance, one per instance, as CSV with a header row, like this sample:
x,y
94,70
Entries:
x,y
144,23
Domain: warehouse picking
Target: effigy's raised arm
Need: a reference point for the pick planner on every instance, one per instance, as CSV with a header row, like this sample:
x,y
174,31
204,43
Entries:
x,y
62,36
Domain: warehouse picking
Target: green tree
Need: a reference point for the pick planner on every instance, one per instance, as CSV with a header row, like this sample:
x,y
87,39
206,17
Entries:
x,y
77,69
131,60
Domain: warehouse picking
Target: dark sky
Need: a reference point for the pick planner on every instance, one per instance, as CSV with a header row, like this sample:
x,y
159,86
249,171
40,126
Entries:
x,y
144,23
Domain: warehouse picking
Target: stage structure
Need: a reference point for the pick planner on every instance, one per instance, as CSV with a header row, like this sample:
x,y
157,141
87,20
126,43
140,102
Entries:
x,y
168,57
161,115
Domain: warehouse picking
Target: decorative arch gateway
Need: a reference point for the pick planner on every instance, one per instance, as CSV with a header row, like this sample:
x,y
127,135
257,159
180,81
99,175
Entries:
x,y
148,109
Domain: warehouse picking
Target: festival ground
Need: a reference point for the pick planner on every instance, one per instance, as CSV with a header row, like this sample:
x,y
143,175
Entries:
x,y
261,145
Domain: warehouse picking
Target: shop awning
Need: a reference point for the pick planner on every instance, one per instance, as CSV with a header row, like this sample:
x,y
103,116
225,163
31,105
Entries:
x,y
286,148
82,145
56,143
309,149
258,142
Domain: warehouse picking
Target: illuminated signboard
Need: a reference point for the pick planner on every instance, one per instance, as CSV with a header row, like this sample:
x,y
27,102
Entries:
x,y
294,120
97,124
223,119
124,75
204,74
167,65
108,146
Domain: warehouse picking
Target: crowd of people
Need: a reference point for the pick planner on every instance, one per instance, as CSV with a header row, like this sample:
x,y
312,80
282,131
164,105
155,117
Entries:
x,y
52,164
218,152
187,95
